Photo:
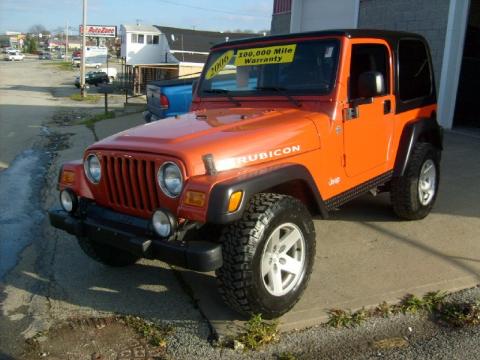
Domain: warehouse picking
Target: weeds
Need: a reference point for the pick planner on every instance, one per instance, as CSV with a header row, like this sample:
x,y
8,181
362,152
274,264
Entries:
x,y
87,98
432,303
341,318
460,314
258,332
287,355
155,334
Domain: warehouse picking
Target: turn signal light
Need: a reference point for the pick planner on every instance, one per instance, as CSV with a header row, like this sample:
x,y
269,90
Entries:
x,y
235,200
68,177
195,198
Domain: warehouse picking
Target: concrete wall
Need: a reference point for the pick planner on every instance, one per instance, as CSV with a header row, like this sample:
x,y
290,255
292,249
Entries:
x,y
311,15
426,17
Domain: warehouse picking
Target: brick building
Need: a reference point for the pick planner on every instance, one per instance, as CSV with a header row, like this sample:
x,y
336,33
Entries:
x,y
451,27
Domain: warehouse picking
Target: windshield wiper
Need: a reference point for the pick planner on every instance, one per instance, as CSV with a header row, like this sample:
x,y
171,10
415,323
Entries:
x,y
224,92
282,91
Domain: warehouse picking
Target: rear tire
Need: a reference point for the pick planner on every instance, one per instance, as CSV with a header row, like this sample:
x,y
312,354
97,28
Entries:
x,y
413,194
268,256
106,254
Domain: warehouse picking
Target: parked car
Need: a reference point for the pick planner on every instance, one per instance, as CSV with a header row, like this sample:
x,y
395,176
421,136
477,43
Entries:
x,y
307,123
44,55
76,61
93,78
14,55
168,98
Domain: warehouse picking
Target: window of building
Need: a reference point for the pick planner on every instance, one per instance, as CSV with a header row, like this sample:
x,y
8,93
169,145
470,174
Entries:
x,y
415,78
138,38
368,57
152,39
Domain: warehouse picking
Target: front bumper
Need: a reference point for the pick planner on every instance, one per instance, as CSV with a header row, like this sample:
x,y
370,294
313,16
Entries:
x,y
133,234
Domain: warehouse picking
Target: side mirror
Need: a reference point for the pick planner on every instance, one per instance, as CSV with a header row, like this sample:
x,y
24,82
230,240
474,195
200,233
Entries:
x,y
370,84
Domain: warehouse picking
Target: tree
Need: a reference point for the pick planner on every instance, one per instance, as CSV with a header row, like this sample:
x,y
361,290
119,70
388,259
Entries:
x,y
31,45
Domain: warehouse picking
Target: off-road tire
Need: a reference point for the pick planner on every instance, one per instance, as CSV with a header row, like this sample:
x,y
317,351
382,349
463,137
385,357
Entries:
x,y
239,279
404,189
106,254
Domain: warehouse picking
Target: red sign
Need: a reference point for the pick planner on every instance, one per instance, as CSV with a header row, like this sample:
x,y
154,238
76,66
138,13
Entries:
x,y
100,31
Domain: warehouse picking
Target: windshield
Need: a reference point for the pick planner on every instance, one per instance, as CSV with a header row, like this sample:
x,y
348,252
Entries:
x,y
293,68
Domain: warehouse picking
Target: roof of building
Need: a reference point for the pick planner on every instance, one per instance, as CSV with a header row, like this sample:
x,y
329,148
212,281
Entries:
x,y
141,28
194,45
391,36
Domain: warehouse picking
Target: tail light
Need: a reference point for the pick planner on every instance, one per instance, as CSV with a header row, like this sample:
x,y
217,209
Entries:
x,y
164,103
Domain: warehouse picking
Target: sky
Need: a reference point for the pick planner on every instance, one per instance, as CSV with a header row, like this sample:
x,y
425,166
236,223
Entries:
x,y
20,15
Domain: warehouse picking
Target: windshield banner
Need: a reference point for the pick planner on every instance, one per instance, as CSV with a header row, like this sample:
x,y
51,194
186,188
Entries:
x,y
266,55
219,64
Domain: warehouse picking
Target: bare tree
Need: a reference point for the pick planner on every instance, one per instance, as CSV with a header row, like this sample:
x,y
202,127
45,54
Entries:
x,y
38,29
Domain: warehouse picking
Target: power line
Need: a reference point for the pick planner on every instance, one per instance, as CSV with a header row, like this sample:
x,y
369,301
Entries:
x,y
212,10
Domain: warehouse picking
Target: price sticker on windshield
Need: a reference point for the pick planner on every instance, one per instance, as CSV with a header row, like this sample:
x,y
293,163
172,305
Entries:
x,y
266,55
219,64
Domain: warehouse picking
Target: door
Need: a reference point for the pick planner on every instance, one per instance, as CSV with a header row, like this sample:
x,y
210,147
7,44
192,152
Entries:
x,y
368,122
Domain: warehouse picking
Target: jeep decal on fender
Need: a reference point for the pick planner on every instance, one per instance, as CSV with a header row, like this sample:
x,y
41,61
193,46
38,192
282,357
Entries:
x,y
235,162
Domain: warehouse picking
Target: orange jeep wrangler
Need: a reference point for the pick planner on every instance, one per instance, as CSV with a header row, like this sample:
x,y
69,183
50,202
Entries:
x,y
280,128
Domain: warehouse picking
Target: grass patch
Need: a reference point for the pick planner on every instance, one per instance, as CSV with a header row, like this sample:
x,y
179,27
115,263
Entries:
x,y
88,98
258,332
90,122
62,65
346,318
156,335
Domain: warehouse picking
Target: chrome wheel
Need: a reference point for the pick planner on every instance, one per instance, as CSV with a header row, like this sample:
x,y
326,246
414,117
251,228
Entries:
x,y
427,182
283,259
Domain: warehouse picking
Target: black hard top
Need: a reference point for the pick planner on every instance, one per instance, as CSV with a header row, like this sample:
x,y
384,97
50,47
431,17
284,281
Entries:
x,y
388,35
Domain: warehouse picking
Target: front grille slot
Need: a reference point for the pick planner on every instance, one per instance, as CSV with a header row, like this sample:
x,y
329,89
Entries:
x,y
130,183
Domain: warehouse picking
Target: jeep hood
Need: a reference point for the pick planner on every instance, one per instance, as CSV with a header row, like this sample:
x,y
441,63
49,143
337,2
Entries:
x,y
234,137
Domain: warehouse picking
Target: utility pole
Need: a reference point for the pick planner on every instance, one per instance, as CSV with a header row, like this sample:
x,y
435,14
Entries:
x,y
66,42
84,46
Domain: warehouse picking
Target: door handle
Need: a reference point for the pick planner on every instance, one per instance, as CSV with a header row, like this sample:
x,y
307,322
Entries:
x,y
387,106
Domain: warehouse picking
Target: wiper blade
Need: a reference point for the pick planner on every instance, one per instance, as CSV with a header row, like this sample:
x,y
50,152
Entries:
x,y
224,92
282,91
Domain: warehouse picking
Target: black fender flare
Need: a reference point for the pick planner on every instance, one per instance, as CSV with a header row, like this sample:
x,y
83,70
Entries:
x,y
256,182
425,128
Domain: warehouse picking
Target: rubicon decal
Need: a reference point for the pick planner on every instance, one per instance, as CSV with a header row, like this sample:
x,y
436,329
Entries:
x,y
239,161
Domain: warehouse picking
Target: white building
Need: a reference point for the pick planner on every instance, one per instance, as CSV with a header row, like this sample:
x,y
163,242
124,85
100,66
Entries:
x,y
144,44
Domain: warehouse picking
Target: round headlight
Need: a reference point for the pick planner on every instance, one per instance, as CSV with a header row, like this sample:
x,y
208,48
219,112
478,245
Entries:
x,y
68,200
170,179
163,223
93,169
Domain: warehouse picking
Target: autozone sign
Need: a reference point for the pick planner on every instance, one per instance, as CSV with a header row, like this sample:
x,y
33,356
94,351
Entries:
x,y
100,31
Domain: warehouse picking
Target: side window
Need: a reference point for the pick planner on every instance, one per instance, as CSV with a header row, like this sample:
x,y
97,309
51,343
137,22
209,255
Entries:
x,y
414,70
368,57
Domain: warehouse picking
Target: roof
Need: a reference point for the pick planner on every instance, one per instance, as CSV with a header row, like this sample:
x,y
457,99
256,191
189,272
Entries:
x,y
391,36
141,28
194,45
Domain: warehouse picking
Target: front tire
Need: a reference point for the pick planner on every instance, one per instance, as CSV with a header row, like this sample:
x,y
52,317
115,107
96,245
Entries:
x,y
413,194
106,254
268,256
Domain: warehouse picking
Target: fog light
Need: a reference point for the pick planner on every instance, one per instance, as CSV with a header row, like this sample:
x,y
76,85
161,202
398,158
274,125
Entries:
x,y
164,223
68,200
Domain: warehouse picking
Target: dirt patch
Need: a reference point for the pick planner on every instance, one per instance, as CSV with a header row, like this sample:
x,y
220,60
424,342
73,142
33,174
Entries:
x,y
96,339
